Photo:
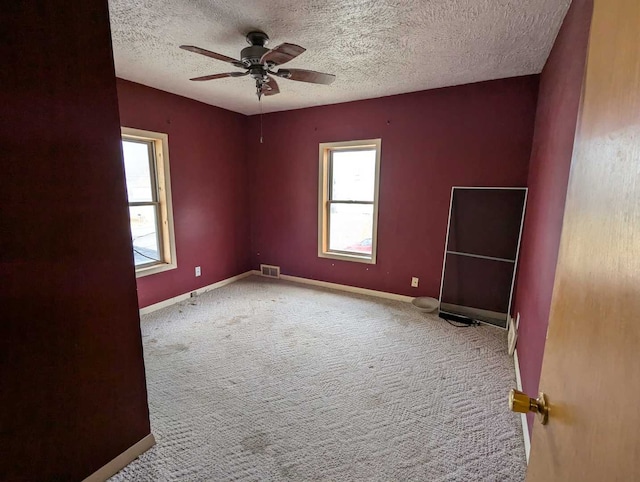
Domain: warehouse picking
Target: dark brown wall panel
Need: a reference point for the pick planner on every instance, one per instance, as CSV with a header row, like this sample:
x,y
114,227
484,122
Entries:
x,y
72,385
486,222
477,283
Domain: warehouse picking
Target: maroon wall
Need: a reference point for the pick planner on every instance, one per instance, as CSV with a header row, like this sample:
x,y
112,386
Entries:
x,y
558,101
208,187
471,135
72,386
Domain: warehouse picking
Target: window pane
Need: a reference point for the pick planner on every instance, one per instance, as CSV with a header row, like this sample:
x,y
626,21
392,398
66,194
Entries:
x,y
144,233
351,228
353,175
137,171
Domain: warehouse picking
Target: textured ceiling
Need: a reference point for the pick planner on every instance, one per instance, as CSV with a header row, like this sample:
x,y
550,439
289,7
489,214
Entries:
x,y
375,47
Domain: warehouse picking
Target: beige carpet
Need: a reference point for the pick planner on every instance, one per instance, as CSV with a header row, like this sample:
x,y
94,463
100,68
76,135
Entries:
x,y
269,380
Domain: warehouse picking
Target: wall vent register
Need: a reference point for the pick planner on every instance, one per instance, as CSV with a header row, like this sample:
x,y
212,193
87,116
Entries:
x,y
270,271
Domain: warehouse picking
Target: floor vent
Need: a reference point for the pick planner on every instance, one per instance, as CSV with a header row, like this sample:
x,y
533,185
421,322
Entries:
x,y
270,271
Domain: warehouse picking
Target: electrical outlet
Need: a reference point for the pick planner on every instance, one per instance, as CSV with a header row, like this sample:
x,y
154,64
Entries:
x,y
414,282
198,271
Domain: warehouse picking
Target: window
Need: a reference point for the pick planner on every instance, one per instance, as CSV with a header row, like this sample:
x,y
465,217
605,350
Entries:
x,y
146,166
348,200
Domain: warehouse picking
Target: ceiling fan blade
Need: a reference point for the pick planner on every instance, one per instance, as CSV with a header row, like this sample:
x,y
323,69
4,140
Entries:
x,y
220,76
282,53
271,87
213,55
302,75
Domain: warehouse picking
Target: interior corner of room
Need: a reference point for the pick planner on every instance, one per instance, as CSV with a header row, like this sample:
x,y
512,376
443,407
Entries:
x,y
169,224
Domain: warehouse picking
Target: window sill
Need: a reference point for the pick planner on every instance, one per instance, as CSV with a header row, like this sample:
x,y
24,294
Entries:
x,y
155,269
348,257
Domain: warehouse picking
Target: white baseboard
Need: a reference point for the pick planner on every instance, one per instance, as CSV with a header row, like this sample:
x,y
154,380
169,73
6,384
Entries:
x,y
351,289
122,460
199,291
295,279
523,417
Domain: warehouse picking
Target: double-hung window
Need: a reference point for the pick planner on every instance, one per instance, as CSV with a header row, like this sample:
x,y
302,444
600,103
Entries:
x,y
348,200
146,165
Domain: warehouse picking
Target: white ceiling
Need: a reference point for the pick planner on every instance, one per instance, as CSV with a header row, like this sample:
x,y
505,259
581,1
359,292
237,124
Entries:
x,y
375,47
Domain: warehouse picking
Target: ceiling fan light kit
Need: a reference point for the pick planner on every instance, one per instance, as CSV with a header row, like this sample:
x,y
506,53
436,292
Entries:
x,y
259,62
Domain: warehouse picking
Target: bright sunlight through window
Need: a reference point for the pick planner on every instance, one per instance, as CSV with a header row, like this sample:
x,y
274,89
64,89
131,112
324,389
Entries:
x,y
146,166
348,201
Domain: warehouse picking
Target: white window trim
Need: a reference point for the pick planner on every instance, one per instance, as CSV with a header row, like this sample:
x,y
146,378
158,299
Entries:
x,y
323,194
161,144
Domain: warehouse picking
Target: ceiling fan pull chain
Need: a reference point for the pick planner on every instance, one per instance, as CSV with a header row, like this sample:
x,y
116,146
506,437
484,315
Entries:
x,y
260,102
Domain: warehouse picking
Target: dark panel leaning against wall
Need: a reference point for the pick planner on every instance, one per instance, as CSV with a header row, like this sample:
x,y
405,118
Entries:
x,y
558,101
72,380
208,187
471,135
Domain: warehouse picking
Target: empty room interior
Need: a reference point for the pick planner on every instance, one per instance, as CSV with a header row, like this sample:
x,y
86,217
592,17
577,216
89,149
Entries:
x,y
361,240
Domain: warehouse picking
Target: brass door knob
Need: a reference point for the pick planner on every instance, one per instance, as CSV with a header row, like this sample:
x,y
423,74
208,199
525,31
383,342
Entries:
x,y
523,403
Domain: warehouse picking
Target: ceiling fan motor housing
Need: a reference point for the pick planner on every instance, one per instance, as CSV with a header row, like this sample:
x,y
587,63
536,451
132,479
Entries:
x,y
252,55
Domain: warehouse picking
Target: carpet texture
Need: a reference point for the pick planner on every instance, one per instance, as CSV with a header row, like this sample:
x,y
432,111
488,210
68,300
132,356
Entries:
x,y
268,380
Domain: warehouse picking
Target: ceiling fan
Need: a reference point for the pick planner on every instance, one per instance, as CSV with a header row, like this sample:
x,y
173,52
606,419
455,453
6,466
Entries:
x,y
259,62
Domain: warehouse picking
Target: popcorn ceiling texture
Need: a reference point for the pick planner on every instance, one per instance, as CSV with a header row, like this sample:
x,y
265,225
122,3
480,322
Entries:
x,y
375,47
